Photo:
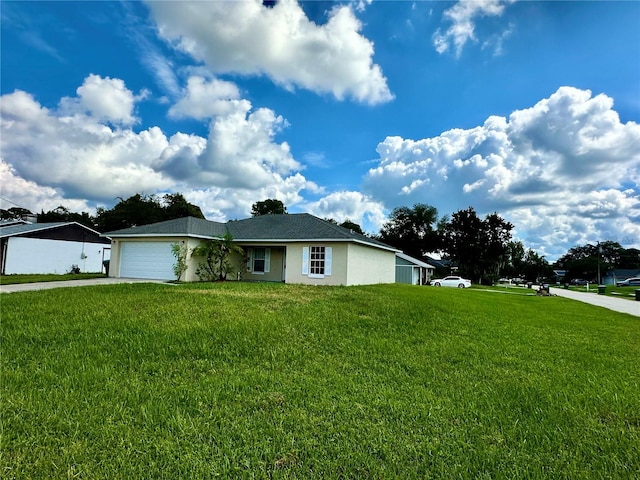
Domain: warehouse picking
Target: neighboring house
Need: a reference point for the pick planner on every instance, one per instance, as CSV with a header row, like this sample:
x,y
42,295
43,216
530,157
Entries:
x,y
619,274
291,248
412,271
51,248
11,222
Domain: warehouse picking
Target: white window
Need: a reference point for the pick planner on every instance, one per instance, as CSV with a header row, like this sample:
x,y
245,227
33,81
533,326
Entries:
x,y
316,261
259,260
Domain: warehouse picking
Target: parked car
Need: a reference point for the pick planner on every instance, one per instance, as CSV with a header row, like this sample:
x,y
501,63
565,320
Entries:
x,y
451,281
579,281
632,281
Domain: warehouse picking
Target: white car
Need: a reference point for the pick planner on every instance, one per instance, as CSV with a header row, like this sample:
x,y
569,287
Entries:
x,y
451,281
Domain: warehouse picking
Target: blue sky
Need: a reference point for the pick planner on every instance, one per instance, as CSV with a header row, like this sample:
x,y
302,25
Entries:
x,y
340,109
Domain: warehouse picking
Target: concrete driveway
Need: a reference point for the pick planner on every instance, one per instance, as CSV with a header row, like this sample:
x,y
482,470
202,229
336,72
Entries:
x,y
606,301
26,287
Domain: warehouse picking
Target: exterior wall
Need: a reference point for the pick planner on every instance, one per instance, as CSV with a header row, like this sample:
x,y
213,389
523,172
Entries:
x,y
338,264
276,268
407,274
352,264
368,265
35,255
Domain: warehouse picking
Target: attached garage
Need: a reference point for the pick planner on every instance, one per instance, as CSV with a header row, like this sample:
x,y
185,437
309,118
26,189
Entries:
x,y
151,260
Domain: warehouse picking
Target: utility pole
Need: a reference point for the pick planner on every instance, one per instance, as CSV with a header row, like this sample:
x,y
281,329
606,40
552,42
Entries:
x,y
599,253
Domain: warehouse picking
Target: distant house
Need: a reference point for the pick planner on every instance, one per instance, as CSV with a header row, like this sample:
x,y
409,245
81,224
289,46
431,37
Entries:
x,y
412,271
51,248
291,248
619,274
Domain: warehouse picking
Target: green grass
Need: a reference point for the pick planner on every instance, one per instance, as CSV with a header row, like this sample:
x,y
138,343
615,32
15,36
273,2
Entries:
x,y
46,277
282,381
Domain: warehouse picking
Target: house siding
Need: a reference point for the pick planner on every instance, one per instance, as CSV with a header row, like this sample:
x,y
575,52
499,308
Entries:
x,y
338,264
370,265
36,255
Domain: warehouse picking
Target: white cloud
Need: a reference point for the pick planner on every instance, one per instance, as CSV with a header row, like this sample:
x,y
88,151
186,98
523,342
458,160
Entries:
x,y
280,42
56,156
208,98
105,99
463,16
565,165
32,196
355,206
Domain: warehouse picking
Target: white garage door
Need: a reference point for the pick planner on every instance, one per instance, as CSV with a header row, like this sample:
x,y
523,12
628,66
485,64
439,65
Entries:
x,y
152,260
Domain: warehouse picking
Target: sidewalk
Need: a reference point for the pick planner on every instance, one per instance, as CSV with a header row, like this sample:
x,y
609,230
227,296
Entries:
x,y
26,287
606,301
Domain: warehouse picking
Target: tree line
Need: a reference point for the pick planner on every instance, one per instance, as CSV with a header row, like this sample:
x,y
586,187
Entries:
x,y
481,248
133,211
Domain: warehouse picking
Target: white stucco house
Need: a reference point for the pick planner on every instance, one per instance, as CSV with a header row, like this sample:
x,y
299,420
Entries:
x,y
292,248
51,248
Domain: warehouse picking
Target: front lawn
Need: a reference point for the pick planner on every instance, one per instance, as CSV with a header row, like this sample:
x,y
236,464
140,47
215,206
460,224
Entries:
x,y
46,277
281,381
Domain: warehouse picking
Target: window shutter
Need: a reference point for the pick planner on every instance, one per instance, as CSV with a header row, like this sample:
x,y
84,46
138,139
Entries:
x,y
305,260
267,260
327,260
250,260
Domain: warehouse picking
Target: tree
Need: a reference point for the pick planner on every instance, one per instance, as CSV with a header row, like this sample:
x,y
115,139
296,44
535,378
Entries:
x,y
412,230
135,210
180,252
176,206
479,247
271,206
14,213
352,226
144,209
217,258
63,214
582,261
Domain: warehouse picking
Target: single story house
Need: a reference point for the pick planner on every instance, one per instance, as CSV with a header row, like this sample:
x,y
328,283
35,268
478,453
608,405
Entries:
x,y
412,271
619,274
51,248
292,248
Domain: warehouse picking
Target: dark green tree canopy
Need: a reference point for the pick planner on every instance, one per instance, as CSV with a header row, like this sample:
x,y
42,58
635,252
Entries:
x,y
480,247
144,209
14,213
62,214
582,261
270,206
352,226
413,230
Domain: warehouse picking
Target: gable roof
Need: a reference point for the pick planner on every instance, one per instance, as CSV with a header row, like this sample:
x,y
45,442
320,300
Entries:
x,y
293,227
413,260
23,229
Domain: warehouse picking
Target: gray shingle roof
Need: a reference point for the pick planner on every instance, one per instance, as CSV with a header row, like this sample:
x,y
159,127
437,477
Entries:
x,y
14,230
185,226
279,228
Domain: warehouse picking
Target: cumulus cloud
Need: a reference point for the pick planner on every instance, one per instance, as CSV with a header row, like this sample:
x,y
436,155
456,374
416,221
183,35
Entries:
x,y
104,99
280,42
355,206
32,196
76,151
463,16
565,170
208,98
